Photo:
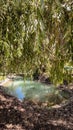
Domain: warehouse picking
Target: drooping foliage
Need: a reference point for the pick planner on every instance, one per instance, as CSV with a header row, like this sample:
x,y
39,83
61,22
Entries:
x,y
36,33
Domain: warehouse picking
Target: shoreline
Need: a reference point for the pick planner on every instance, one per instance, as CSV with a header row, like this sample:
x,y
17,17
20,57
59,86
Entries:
x,y
7,80
29,115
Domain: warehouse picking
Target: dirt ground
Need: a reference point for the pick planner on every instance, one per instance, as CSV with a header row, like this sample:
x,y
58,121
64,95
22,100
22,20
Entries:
x,y
28,115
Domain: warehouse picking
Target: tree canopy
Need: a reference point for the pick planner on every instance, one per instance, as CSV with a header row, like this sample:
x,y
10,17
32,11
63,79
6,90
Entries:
x,y
36,33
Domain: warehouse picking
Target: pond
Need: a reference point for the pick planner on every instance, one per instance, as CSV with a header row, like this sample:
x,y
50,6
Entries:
x,y
33,90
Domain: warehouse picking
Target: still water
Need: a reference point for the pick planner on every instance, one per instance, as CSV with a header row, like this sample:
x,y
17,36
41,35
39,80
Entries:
x,y
30,90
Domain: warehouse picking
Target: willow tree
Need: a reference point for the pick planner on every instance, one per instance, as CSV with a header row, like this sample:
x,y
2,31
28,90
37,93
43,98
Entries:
x,y
14,20
57,19
62,38
35,33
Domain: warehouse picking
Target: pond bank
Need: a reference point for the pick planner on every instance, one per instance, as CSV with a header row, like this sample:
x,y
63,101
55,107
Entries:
x,y
28,115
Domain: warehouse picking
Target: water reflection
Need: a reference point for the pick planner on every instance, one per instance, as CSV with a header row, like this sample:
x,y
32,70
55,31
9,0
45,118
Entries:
x,y
36,91
30,89
19,93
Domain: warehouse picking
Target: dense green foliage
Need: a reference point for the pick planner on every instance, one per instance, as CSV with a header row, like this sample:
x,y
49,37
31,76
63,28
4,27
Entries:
x,y
36,33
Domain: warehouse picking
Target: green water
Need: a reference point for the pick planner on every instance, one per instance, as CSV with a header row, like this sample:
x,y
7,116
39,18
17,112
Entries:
x,y
36,91
29,89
